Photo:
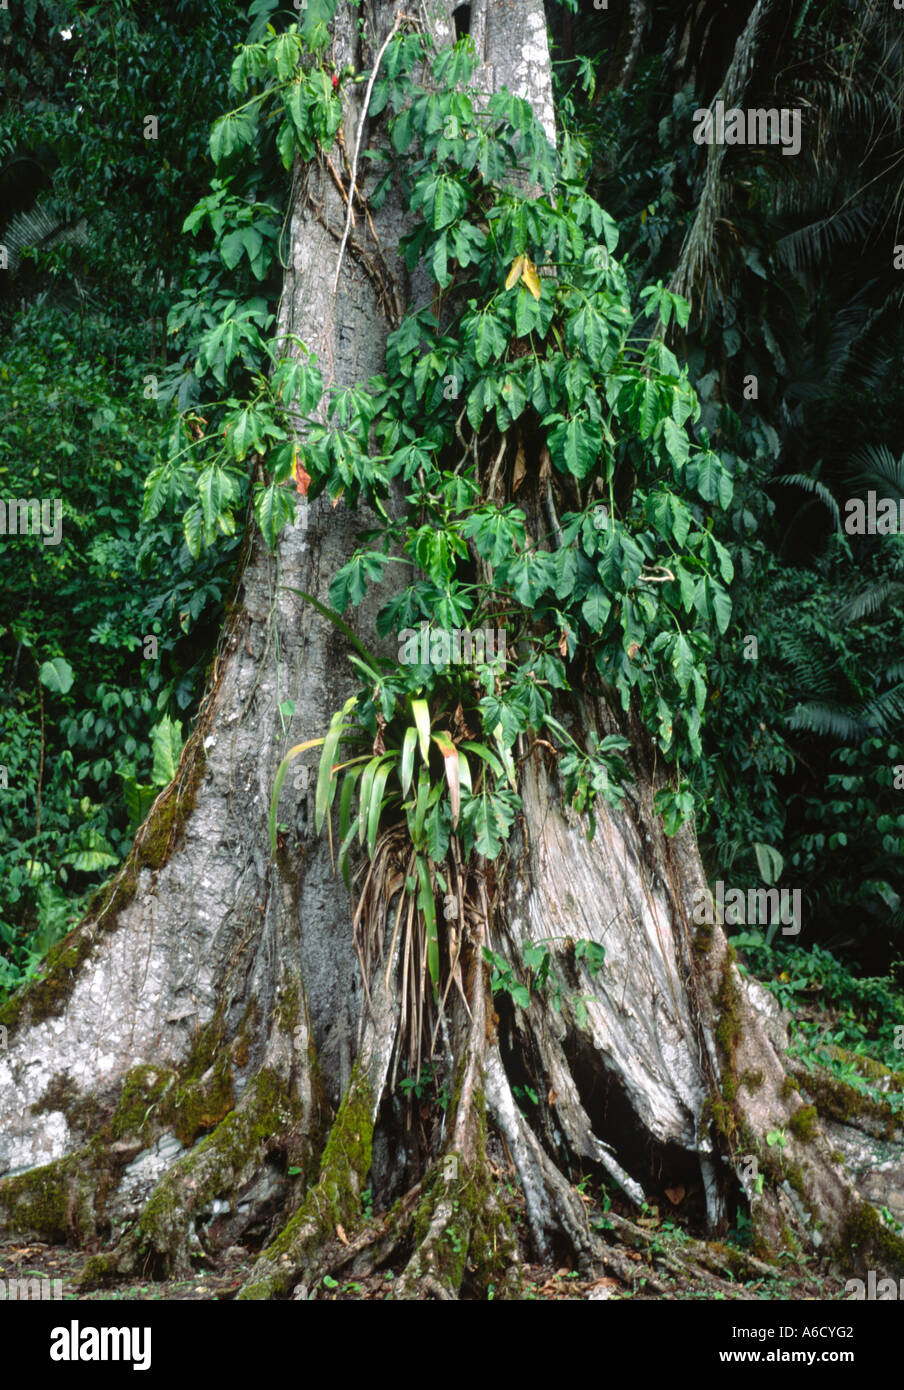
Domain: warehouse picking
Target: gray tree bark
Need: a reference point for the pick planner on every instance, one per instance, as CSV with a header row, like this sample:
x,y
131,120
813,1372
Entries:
x,y
202,1032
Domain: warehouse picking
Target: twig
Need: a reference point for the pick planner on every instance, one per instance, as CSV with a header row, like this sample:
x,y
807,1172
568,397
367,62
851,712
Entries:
x,y
494,471
338,182
552,515
361,123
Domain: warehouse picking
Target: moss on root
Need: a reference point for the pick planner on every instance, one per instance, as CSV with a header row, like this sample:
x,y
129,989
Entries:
x,y
461,1231
46,997
868,1067
202,1105
476,1242
39,1200
240,1047
143,1089
804,1123
866,1234
728,1028
335,1199
727,1118
703,938
216,1163
837,1100
722,1109
57,1201
97,1270
153,1100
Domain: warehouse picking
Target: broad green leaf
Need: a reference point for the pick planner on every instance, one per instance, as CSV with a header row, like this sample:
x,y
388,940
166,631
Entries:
x,y
273,507
769,862
448,203
596,608
488,818
346,796
682,658
94,855
157,488
215,492
376,801
528,315
139,798
420,808
483,752
726,568
326,785
436,829
676,442
575,445
193,530
231,132
407,768
704,474
721,607
57,675
285,144
670,516
489,339
166,745
588,331
647,407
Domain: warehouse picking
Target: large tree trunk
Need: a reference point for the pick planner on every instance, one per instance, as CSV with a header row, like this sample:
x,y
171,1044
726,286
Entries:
x,y
198,1067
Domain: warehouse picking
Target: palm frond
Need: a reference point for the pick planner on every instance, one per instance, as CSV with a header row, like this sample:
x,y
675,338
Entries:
x,y
877,467
38,228
815,488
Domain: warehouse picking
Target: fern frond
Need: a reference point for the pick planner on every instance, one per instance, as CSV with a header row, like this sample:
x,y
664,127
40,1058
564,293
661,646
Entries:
x,y
828,720
870,600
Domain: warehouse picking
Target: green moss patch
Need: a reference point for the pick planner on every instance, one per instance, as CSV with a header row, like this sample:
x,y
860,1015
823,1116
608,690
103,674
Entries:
x,y
804,1123
866,1234
837,1100
142,1092
47,997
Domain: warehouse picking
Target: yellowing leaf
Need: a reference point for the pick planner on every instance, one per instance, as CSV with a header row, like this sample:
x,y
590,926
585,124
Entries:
x,y
514,274
453,772
421,714
531,278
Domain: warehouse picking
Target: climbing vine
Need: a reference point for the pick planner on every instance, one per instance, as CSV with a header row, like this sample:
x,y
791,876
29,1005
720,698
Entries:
x,y
526,369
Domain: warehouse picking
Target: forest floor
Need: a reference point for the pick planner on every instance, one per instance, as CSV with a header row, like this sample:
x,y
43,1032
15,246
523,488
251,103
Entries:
x,y
220,1278
826,1019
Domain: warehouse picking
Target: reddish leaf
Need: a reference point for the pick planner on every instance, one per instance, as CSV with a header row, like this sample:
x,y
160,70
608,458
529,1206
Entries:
x,y
302,477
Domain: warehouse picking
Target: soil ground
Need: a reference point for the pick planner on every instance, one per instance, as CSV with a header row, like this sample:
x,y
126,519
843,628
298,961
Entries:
x,y
220,1277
